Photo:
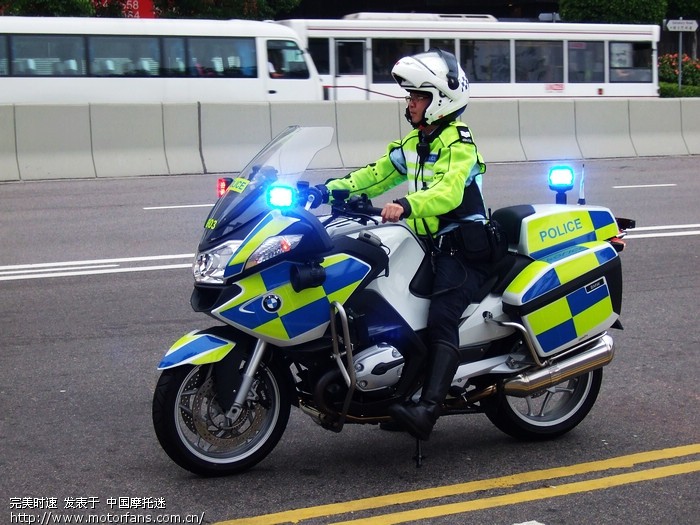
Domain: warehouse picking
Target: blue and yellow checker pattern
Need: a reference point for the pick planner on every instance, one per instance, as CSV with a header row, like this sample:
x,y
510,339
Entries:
x,y
554,227
297,316
196,348
581,312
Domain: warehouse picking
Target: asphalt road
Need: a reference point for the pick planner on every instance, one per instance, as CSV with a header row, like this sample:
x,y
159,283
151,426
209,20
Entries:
x,y
94,287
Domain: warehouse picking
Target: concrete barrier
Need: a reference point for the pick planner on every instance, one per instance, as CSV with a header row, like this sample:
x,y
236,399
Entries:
x,y
548,129
231,134
600,139
496,128
284,114
127,140
8,148
690,118
181,138
80,141
53,142
655,127
365,128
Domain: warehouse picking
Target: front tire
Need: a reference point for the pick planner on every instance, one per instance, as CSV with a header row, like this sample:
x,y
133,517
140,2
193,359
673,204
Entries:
x,y
549,413
194,431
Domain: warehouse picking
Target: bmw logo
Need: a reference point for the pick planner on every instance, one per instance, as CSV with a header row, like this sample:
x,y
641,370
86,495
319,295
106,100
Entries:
x,y
271,303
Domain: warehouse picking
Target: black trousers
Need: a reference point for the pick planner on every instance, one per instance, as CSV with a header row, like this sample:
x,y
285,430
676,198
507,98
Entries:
x,y
455,285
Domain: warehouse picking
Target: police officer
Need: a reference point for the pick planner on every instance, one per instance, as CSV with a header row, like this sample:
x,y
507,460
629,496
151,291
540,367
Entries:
x,y
443,168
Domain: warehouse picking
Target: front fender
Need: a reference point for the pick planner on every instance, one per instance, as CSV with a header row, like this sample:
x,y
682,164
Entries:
x,y
199,347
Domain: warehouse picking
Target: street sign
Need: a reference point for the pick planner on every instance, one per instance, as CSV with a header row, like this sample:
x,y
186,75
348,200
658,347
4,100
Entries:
x,y
682,25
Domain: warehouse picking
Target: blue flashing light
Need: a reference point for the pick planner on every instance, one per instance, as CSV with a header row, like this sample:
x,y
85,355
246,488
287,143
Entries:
x,y
281,196
561,179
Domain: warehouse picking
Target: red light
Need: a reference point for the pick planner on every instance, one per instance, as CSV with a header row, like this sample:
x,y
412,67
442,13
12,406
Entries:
x,y
222,185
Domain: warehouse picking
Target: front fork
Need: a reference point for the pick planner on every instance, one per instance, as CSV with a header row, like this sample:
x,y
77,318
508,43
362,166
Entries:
x,y
247,378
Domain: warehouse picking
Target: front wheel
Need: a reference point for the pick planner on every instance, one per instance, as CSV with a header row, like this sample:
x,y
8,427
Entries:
x,y
194,431
546,414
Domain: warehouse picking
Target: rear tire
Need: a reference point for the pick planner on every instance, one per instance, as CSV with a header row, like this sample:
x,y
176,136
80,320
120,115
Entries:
x,y
194,431
547,414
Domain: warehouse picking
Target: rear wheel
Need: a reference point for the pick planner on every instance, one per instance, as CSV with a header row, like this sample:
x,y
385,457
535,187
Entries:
x,y
194,431
546,414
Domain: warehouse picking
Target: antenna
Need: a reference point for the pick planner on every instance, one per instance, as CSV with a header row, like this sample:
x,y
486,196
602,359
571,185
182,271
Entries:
x,y
581,192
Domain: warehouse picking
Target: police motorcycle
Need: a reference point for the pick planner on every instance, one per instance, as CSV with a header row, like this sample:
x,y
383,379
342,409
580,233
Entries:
x,y
328,313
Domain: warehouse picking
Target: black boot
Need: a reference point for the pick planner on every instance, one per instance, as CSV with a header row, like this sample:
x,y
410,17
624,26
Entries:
x,y
420,418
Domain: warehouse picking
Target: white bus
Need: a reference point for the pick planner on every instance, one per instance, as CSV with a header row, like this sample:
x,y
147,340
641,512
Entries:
x,y
354,55
132,60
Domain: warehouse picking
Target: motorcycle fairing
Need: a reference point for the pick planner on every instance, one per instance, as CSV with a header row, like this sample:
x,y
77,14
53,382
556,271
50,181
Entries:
x,y
567,296
272,224
196,348
269,308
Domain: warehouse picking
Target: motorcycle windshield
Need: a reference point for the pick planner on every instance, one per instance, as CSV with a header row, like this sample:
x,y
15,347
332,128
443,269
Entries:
x,y
282,161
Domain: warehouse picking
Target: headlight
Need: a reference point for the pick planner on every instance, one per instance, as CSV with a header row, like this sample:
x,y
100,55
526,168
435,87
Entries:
x,y
272,247
209,266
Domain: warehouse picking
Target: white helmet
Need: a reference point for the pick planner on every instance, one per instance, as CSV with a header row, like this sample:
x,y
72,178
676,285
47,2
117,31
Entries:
x,y
438,73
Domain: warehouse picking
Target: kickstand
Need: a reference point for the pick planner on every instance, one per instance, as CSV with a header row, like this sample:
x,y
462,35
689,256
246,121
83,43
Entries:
x,y
419,454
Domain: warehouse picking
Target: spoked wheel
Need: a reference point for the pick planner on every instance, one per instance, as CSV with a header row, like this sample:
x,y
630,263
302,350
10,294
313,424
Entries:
x,y
197,434
546,414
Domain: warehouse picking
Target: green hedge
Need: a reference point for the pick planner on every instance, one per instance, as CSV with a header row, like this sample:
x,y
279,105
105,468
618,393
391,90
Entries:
x,y
668,90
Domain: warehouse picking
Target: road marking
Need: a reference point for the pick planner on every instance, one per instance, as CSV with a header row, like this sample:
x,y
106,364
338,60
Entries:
x,y
632,233
98,261
668,227
335,509
669,234
528,495
178,206
104,266
17,272
643,186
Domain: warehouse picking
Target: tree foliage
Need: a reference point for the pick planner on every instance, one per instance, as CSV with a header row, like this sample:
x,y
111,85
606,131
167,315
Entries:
x,y
688,9
106,8
223,9
615,11
50,8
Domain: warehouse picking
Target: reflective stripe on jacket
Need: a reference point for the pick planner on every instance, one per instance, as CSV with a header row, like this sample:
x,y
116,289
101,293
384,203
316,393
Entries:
x,y
446,188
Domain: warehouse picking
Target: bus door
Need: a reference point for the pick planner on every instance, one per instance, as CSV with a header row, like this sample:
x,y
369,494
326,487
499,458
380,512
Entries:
x,y
287,74
350,81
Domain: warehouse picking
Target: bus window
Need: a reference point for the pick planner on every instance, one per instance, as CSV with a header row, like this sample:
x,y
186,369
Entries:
x,y
446,44
586,62
350,57
630,62
47,55
286,60
4,70
319,49
486,60
124,56
539,61
223,57
385,53
174,57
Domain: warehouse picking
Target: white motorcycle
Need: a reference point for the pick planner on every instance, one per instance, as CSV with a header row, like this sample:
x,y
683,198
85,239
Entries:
x,y
328,313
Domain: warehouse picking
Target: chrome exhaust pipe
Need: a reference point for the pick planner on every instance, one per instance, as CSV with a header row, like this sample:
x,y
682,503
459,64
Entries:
x,y
528,383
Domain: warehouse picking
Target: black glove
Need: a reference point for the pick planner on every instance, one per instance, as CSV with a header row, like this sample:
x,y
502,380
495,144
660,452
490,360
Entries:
x,y
320,195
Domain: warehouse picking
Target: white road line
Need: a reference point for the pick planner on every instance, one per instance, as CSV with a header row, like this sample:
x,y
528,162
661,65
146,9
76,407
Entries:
x,y
644,186
667,234
15,272
179,206
671,227
65,269
98,261
94,272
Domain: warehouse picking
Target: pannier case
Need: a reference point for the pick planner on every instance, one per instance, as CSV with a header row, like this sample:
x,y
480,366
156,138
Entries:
x,y
572,290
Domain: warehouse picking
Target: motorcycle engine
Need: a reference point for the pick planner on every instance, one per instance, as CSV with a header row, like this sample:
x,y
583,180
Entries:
x,y
378,367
